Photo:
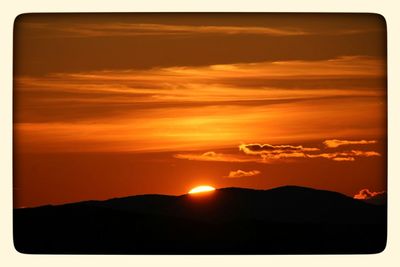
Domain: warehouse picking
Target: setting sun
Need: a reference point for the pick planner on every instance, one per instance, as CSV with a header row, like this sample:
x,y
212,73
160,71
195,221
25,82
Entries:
x,y
171,144
201,188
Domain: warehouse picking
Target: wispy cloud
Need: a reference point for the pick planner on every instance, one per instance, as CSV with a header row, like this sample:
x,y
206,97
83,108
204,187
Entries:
x,y
87,29
209,106
267,153
249,84
143,29
345,155
223,79
367,194
333,143
240,173
349,66
266,148
212,156
343,159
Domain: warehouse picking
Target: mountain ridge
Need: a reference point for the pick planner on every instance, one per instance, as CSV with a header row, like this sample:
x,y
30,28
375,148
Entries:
x,y
293,219
186,194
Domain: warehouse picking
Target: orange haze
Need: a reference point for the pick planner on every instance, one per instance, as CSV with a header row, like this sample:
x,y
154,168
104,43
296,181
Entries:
x,y
113,105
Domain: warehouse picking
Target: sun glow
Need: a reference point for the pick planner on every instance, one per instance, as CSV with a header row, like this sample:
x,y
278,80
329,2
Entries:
x,y
201,188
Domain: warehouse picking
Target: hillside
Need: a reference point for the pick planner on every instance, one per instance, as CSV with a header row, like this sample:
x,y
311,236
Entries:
x,y
284,220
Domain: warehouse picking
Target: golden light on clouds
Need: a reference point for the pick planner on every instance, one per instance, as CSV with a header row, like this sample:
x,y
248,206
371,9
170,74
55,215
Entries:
x,y
241,173
367,194
145,103
266,153
190,107
335,143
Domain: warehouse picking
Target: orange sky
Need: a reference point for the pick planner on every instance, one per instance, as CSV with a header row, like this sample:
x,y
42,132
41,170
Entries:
x,y
115,105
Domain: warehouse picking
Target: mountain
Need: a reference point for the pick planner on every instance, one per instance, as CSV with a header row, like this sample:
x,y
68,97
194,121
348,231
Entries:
x,y
283,220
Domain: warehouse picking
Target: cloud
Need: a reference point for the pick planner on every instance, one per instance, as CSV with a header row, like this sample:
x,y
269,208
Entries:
x,y
87,29
267,151
363,153
212,156
264,83
366,194
258,148
146,29
345,155
275,152
189,106
240,173
333,143
343,159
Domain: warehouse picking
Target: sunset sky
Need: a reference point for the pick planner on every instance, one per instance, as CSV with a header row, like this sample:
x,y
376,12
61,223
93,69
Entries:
x,y
111,105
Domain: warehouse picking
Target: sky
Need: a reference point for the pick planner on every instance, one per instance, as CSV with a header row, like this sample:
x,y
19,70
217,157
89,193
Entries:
x,y
112,105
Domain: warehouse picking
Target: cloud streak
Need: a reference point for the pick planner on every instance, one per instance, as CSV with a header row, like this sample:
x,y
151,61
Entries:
x,y
87,30
249,84
345,155
223,80
212,156
207,107
240,173
267,153
333,143
146,29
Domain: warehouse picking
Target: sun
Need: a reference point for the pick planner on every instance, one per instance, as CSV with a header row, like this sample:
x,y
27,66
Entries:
x,y
201,188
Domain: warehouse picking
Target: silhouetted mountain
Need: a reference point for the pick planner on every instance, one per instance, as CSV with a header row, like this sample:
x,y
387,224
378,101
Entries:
x,y
284,220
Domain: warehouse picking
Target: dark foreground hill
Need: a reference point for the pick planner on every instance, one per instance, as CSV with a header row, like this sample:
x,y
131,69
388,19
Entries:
x,y
284,220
